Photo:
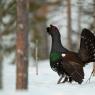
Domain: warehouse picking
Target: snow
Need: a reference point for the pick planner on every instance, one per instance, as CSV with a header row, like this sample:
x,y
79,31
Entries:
x,y
45,83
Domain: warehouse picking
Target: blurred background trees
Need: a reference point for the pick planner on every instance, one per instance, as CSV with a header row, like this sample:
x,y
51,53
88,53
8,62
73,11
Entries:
x,y
41,14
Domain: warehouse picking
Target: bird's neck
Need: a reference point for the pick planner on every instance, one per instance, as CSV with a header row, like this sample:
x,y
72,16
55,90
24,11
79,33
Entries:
x,y
56,45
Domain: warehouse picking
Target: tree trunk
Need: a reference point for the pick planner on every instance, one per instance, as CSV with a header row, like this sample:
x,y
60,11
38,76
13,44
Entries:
x,y
1,68
79,23
22,45
69,27
94,31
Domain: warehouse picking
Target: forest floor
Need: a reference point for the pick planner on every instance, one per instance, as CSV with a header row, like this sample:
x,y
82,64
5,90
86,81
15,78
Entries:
x,y
45,83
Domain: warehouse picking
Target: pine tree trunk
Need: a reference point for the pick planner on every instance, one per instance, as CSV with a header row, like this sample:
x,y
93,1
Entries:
x,y
94,30
1,68
22,45
69,28
79,23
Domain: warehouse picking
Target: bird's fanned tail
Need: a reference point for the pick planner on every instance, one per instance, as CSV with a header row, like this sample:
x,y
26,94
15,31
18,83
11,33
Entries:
x,y
87,46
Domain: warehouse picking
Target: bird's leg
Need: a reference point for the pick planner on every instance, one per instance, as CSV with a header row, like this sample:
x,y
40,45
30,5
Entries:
x,y
90,76
70,79
60,79
65,79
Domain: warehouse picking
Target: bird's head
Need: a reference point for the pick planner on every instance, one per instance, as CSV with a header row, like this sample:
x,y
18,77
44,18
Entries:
x,y
53,31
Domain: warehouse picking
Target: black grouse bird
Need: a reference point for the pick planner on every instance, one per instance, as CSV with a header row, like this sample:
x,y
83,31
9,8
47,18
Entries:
x,y
69,65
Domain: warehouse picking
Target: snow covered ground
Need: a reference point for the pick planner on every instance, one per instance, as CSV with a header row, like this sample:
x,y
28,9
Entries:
x,y
45,82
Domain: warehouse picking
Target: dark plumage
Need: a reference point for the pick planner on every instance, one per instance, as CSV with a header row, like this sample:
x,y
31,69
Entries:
x,y
69,64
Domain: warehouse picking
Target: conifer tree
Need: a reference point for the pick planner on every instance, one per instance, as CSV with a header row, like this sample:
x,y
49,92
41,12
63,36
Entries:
x,y
22,44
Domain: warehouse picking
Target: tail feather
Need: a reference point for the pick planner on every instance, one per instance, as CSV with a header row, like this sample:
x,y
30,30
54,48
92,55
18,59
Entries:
x,y
87,46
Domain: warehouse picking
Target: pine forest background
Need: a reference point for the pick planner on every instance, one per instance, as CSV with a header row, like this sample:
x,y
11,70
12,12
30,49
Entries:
x,y
70,16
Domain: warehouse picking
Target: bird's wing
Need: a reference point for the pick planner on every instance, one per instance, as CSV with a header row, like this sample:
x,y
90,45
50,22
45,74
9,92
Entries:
x,y
74,70
87,46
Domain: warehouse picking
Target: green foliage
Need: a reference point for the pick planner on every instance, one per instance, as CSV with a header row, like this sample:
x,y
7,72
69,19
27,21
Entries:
x,y
7,26
12,8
